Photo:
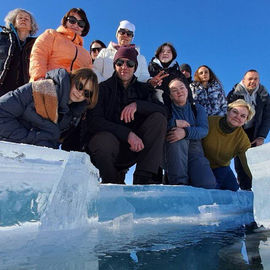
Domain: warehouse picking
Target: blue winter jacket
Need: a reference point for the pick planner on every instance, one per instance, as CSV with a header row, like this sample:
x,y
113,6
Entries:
x,y
20,123
198,125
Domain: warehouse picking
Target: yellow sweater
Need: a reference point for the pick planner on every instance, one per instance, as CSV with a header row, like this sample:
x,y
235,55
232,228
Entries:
x,y
220,148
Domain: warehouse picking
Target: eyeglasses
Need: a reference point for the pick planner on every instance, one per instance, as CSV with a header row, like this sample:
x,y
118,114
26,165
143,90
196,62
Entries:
x,y
87,93
123,31
96,49
129,63
73,20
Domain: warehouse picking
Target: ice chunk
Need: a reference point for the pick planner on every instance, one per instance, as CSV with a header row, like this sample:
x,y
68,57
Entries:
x,y
67,206
39,181
259,164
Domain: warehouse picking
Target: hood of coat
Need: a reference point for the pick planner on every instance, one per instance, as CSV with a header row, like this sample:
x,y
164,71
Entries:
x,y
78,40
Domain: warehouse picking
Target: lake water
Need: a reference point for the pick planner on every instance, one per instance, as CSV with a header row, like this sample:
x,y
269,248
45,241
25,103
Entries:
x,y
146,244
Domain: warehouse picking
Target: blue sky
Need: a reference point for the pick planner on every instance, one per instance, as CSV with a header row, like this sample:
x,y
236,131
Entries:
x,y
229,36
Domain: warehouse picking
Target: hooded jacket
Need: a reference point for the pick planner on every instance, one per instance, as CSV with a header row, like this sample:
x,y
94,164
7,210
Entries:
x,y
14,60
262,108
61,48
21,120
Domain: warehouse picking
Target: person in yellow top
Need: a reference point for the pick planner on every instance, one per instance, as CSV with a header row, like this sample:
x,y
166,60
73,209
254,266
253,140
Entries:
x,y
225,140
61,48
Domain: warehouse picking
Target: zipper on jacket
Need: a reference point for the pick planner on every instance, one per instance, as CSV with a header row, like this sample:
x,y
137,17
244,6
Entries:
x,y
71,67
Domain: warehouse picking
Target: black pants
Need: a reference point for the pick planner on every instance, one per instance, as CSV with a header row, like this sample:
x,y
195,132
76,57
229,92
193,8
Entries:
x,y
111,156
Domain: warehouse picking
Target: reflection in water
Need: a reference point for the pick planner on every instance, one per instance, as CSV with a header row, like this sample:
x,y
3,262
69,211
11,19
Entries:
x,y
152,246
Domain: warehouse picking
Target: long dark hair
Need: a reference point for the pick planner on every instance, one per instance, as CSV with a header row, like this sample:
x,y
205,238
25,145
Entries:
x,y
212,76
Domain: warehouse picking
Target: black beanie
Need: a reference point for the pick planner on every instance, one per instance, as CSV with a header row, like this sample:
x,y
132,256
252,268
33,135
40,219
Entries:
x,y
185,67
127,52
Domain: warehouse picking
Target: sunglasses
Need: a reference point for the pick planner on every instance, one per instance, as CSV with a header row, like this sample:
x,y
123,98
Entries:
x,y
73,20
129,63
123,31
80,87
96,49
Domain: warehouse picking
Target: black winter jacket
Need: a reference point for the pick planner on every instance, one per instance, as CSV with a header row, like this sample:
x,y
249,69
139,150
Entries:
x,y
113,97
173,70
20,123
14,61
262,109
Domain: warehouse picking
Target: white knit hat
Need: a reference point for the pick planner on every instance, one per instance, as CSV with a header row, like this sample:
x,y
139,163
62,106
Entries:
x,y
126,25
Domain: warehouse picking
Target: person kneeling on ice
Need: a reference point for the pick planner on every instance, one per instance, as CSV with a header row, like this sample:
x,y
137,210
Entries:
x,y
127,126
226,139
185,162
42,112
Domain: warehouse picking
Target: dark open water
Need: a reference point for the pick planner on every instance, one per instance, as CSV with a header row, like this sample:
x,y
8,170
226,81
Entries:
x,y
138,246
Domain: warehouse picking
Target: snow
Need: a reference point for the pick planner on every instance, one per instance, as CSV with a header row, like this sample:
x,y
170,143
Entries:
x,y
60,190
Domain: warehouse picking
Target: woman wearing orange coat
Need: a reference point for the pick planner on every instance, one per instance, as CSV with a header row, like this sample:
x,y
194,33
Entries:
x,y
61,48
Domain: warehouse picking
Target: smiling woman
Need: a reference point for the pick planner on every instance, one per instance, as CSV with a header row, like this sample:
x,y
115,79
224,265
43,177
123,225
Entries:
x,y
61,48
44,112
225,140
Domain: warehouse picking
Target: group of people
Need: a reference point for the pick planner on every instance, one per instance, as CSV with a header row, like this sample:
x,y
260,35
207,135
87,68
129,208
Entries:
x,y
110,104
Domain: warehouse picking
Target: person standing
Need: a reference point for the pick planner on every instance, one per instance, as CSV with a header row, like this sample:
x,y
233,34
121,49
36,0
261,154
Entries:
x,y
165,66
208,91
254,93
61,48
127,126
187,71
95,47
16,42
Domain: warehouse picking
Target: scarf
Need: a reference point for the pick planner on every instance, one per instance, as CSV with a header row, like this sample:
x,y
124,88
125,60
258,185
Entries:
x,y
45,99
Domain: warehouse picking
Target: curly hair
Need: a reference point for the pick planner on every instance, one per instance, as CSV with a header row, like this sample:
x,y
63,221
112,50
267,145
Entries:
x,y
11,17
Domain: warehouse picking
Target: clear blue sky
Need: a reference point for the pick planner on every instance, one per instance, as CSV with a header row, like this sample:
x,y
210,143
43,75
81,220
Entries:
x,y
229,36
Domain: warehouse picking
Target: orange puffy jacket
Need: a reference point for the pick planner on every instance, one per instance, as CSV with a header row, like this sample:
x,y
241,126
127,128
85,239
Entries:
x,y
60,48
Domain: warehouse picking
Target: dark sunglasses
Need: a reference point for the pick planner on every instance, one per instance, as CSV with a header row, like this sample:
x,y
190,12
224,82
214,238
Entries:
x,y
123,31
73,20
129,63
87,93
96,49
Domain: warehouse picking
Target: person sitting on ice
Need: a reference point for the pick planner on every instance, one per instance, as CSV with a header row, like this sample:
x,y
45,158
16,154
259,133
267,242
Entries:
x,y
227,139
185,162
41,112
127,126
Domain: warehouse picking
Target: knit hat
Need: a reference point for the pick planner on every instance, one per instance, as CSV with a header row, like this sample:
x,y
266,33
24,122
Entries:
x,y
126,25
185,67
126,52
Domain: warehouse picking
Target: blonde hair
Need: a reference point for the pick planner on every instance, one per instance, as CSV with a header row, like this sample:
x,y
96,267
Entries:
x,y
242,103
11,17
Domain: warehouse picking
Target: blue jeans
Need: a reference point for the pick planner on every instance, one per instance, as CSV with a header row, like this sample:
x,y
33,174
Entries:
x,y
225,178
186,164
